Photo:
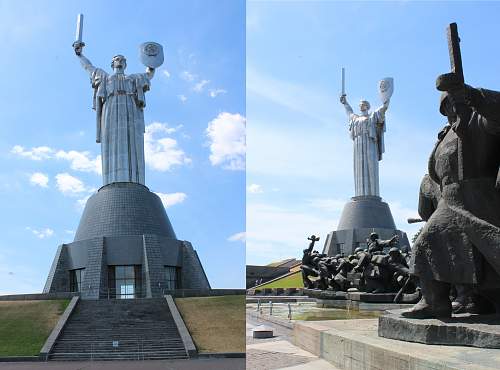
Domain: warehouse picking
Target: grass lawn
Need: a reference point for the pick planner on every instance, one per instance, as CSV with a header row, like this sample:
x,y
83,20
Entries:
x,y
25,325
291,281
216,324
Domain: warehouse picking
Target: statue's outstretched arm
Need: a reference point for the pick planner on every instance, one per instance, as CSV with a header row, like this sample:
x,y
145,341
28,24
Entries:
x,y
384,107
86,64
486,103
347,107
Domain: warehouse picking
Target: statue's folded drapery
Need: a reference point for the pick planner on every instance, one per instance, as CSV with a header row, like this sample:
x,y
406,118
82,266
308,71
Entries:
x,y
119,102
367,134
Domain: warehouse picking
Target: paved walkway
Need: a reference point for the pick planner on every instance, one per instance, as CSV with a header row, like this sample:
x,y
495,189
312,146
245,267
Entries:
x,y
279,352
198,364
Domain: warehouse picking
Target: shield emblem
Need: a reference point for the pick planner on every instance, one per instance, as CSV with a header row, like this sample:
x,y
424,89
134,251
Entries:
x,y
151,54
386,88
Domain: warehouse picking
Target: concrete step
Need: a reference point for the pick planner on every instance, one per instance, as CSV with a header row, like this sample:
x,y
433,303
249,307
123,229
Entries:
x,y
144,329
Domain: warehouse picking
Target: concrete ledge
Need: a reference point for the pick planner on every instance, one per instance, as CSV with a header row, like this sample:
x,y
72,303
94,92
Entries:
x,y
37,296
272,319
49,343
223,355
463,330
185,293
354,344
181,326
20,359
279,299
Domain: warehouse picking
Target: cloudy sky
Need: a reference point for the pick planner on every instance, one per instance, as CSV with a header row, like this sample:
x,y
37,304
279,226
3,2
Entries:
x,y
195,126
299,162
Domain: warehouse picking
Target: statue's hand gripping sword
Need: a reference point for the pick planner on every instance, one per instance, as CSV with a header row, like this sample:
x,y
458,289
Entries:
x,y
79,44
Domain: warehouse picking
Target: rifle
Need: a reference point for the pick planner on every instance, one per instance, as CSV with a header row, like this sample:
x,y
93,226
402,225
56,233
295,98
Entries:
x,y
398,296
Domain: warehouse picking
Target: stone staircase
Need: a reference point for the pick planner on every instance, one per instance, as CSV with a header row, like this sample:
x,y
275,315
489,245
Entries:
x,y
119,329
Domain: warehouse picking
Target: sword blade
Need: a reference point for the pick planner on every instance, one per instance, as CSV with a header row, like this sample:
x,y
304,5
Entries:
x,y
343,81
79,28
454,50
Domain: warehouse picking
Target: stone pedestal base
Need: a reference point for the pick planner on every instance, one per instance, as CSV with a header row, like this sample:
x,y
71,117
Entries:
x,y
360,217
461,330
125,224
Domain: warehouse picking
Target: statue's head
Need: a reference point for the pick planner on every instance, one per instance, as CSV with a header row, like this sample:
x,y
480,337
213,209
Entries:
x,y
394,251
373,236
119,63
446,107
364,106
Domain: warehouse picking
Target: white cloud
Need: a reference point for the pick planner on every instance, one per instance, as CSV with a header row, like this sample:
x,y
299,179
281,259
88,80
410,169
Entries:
x,y
39,179
37,153
255,189
166,73
161,152
182,98
227,141
81,161
42,233
214,92
238,237
275,232
68,184
199,86
159,127
328,204
311,101
171,199
296,157
188,76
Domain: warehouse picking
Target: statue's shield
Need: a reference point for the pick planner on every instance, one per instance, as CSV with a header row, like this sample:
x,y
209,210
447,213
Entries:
x,y
151,54
386,88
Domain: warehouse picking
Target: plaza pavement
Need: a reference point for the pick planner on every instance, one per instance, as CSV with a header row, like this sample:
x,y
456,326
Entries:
x,y
197,364
279,352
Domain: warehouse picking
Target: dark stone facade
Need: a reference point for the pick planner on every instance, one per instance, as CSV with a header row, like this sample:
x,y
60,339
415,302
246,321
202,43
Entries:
x,y
360,217
125,224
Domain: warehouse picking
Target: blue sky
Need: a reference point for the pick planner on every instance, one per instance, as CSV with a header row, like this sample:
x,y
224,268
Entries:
x,y
299,161
195,113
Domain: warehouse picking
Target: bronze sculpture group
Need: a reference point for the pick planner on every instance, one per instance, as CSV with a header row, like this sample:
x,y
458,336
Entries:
x,y
371,270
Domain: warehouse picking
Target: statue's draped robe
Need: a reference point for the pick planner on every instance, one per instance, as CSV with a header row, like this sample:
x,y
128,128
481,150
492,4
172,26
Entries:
x,y
119,102
367,132
460,242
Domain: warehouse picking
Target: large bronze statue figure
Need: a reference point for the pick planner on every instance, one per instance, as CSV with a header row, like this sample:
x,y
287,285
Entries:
x,y
460,243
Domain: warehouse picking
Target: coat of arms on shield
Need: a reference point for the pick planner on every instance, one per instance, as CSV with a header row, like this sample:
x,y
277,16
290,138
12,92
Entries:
x,y
151,54
386,88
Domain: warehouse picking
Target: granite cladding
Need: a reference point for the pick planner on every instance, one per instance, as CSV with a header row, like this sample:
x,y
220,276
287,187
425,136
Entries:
x,y
124,209
193,274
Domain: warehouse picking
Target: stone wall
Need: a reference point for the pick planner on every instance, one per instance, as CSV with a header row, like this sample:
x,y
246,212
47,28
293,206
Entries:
x,y
193,275
58,279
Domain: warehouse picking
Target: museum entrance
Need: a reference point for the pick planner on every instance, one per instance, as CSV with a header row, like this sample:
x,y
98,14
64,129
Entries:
x,y
125,281
75,280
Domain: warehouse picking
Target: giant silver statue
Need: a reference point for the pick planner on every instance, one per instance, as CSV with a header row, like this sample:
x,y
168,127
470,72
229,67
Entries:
x,y
367,131
119,102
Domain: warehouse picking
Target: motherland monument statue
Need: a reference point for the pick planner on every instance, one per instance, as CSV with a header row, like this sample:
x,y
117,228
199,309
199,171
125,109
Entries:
x,y
124,229
367,132
119,102
366,213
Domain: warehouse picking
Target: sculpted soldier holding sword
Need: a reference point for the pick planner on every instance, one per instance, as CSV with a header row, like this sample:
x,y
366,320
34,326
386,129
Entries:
x,y
460,242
